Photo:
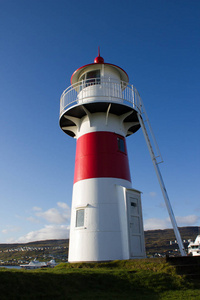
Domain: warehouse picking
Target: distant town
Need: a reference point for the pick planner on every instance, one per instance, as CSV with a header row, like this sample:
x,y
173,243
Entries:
x,y
16,254
159,243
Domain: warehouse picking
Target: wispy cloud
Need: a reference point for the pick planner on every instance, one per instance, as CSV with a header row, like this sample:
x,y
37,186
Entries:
x,y
52,215
47,233
152,194
58,215
36,208
32,219
187,220
58,227
63,205
162,205
10,229
158,223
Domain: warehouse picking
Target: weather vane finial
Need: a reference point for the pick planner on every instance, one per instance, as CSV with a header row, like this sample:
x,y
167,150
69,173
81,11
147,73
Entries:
x,y
99,59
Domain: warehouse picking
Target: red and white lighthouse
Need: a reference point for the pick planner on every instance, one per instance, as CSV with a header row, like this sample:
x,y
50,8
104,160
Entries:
x,y
100,110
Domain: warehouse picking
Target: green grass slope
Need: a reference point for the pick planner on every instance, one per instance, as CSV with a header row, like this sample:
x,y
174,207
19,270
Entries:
x,y
133,279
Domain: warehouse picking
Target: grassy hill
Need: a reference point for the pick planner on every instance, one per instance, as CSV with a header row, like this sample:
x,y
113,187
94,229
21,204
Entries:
x,y
133,279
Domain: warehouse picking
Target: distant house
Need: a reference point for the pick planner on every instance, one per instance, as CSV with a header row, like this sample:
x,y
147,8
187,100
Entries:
x,y
194,247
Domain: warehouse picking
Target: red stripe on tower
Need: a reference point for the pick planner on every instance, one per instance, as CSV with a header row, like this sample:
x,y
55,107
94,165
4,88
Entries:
x,y
101,154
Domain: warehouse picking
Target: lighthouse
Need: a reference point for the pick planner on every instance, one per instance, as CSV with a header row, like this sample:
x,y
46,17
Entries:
x,y
100,109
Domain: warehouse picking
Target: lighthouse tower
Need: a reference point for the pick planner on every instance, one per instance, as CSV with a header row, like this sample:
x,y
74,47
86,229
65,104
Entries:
x,y
100,109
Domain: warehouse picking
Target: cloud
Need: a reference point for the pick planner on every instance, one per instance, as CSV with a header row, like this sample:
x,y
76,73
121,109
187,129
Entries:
x,y
58,227
63,205
59,215
162,205
32,219
153,194
36,208
10,229
49,232
54,216
187,220
156,223
55,221
10,240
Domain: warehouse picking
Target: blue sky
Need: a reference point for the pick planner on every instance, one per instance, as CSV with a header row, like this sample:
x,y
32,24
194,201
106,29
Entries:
x,y
42,43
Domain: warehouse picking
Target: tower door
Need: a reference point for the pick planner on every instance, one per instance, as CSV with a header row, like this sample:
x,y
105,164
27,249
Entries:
x,y
135,225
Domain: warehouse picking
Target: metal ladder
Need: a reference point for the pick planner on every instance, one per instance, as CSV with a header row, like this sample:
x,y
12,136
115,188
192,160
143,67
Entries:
x,y
157,159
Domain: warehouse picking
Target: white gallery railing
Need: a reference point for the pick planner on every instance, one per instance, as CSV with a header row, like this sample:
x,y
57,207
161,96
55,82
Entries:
x,y
100,90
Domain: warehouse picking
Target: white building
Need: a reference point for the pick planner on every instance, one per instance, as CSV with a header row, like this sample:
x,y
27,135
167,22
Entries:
x,y
194,247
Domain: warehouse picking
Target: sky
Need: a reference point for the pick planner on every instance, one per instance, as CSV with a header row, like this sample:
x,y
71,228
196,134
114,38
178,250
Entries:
x,y
42,42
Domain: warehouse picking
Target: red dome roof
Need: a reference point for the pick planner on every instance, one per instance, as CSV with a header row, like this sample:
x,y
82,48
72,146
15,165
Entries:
x,y
99,60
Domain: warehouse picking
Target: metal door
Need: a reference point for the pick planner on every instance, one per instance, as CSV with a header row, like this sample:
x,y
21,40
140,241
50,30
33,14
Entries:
x,y
136,232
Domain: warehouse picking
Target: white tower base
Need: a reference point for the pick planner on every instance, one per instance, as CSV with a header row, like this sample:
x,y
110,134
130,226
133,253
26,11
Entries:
x,y
106,221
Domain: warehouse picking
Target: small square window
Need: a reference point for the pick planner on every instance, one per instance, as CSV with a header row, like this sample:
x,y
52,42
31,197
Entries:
x,y
121,144
80,218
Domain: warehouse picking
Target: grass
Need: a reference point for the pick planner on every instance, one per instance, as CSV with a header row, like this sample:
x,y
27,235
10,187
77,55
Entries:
x,y
133,279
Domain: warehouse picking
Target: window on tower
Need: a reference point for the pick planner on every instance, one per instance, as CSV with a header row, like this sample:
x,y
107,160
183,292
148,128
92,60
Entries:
x,y
90,78
80,217
121,144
